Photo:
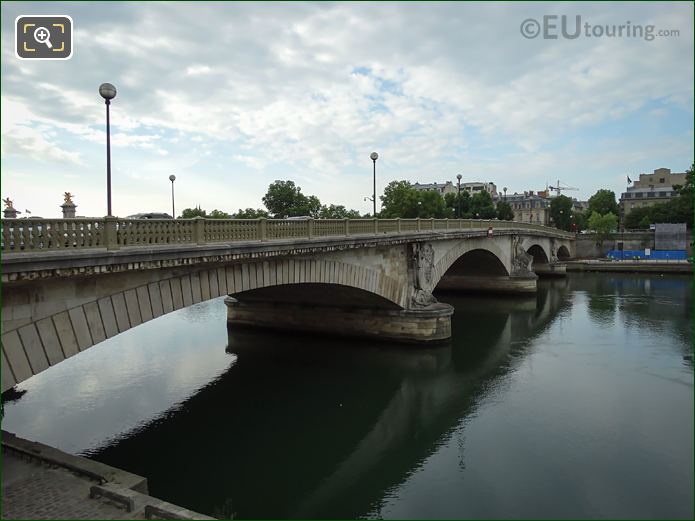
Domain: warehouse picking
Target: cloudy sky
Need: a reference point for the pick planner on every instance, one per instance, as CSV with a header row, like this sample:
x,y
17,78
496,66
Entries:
x,y
232,96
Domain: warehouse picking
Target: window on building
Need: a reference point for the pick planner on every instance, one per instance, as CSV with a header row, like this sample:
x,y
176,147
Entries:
x,y
639,194
662,180
650,194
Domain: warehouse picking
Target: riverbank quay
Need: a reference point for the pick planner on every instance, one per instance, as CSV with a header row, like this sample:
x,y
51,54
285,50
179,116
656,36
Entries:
x,y
630,266
42,482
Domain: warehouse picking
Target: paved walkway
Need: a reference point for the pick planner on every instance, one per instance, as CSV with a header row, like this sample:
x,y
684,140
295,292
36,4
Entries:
x,y
33,490
42,482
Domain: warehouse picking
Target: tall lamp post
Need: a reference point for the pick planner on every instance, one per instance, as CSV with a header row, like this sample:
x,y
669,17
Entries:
x,y
505,193
374,156
108,92
172,178
458,198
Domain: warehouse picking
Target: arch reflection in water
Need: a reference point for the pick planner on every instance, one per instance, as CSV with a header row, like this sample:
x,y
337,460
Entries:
x,y
319,427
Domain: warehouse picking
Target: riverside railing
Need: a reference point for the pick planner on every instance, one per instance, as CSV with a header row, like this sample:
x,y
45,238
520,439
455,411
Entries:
x,y
112,233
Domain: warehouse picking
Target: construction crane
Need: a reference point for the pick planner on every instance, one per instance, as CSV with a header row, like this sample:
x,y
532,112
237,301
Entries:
x,y
559,188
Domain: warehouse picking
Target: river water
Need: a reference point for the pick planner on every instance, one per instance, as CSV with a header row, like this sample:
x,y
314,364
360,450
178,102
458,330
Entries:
x,y
575,403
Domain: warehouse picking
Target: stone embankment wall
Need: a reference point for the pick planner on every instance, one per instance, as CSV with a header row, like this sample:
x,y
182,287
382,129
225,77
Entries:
x,y
587,247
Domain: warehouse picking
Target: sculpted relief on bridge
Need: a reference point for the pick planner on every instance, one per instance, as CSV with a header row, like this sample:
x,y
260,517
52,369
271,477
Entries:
x,y
423,268
521,260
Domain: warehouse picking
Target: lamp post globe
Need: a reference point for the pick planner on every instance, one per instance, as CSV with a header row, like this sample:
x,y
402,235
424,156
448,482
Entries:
x,y
458,196
172,178
108,92
374,156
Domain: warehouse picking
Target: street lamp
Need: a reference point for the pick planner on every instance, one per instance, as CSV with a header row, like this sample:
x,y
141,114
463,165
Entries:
x,y
505,193
172,178
108,92
458,198
374,156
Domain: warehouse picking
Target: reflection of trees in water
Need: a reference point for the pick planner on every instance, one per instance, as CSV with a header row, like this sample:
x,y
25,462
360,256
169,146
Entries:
x,y
659,304
9,396
602,309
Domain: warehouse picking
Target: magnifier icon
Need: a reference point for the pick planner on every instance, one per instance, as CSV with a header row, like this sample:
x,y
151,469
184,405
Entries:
x,y
42,35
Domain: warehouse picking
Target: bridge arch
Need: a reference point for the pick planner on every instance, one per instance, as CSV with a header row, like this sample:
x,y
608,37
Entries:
x,y
540,256
563,253
484,249
47,340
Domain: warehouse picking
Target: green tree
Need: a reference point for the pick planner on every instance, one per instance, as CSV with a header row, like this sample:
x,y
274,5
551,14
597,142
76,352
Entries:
x,y
504,211
481,206
250,213
561,212
644,222
311,206
603,202
399,200
219,214
578,221
456,202
190,213
431,205
337,212
285,199
602,225
634,220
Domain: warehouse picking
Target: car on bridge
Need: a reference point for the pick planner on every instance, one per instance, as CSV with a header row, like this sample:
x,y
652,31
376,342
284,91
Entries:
x,y
150,215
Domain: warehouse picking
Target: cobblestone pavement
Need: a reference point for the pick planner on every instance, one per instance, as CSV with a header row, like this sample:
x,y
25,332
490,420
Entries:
x,y
33,490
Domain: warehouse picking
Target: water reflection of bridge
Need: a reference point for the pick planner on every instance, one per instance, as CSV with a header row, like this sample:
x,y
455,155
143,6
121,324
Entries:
x,y
358,424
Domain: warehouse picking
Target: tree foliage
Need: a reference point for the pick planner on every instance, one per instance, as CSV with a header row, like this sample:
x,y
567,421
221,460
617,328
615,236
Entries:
x,y
285,199
190,213
400,199
218,214
603,202
504,211
251,213
602,225
481,206
561,212
337,212
457,202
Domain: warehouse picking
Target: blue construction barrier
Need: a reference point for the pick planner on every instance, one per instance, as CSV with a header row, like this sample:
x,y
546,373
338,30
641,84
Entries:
x,y
653,255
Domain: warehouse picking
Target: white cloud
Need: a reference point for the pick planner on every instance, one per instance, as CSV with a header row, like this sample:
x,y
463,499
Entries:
x,y
309,90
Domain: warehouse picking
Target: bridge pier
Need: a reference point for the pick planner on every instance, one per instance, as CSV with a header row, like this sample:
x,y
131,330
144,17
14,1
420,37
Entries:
x,y
424,325
489,284
551,269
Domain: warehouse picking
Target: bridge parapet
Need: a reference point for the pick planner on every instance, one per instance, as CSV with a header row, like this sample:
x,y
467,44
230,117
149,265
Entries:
x,y
32,235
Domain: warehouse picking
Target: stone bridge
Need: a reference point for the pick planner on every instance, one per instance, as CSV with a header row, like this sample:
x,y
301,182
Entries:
x,y
69,284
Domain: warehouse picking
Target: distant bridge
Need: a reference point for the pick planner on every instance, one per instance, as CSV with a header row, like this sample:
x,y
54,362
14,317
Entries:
x,y
68,284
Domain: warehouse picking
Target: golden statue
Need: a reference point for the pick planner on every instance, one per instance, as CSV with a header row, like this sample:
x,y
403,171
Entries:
x,y
68,198
8,204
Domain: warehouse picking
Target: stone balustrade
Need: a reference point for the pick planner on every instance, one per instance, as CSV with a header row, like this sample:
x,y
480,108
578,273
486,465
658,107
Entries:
x,y
112,233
